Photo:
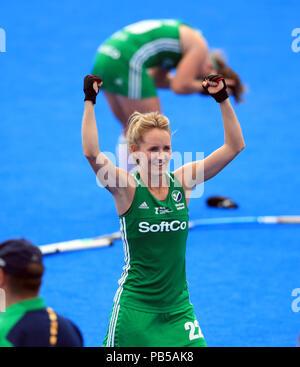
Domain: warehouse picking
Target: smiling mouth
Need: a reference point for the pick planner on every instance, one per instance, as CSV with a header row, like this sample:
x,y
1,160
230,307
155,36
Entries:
x,y
159,164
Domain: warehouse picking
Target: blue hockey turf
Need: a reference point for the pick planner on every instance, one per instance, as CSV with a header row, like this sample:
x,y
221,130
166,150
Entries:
x,y
241,277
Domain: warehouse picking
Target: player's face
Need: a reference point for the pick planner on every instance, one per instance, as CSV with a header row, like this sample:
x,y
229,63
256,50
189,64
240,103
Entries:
x,y
155,151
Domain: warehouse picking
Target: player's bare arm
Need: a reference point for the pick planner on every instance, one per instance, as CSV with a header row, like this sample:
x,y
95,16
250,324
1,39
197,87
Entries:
x,y
115,180
194,63
195,173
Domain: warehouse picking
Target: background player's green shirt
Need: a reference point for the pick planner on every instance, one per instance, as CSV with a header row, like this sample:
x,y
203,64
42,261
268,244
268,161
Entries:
x,y
123,59
148,43
154,237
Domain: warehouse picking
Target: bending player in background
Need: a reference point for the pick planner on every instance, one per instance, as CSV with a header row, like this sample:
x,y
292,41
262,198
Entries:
x,y
152,306
136,60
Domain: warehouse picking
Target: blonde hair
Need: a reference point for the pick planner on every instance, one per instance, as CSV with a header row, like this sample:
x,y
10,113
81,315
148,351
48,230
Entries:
x,y
139,123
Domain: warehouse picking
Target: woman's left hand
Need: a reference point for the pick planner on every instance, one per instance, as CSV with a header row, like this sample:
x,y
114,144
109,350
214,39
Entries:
x,y
215,85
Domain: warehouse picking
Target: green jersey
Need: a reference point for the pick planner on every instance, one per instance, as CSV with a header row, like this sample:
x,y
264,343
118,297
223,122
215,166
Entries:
x,y
154,236
123,59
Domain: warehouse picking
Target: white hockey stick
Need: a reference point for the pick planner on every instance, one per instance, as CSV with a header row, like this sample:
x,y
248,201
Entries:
x,y
107,240
80,244
283,219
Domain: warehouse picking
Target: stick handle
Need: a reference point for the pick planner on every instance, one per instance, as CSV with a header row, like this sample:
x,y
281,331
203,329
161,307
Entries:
x,y
289,219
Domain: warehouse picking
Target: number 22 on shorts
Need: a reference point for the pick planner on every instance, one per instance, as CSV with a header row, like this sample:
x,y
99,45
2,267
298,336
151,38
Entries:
x,y
193,326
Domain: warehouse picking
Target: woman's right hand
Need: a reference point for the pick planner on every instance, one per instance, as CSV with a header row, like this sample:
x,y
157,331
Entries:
x,y
91,86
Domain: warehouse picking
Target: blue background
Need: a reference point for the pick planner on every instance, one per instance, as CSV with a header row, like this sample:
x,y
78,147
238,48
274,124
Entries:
x,y
240,276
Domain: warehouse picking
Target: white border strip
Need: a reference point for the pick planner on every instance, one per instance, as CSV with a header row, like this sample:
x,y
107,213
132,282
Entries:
x,y
138,59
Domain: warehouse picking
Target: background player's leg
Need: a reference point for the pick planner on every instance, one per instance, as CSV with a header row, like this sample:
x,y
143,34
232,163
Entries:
x,y
141,105
115,106
122,107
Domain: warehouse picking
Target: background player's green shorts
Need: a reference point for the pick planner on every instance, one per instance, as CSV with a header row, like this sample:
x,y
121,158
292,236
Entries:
x,y
133,328
119,78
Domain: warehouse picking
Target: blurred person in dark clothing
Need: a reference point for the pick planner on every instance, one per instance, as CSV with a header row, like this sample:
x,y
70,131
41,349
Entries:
x,y
27,322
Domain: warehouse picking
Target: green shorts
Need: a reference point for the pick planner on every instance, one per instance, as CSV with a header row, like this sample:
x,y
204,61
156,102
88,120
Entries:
x,y
133,328
122,60
119,78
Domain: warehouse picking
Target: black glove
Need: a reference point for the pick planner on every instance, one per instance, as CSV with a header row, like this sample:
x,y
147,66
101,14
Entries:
x,y
222,94
90,93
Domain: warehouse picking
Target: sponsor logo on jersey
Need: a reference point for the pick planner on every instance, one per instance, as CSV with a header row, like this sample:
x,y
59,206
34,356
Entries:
x,y
176,195
162,210
144,205
163,226
109,51
180,206
121,36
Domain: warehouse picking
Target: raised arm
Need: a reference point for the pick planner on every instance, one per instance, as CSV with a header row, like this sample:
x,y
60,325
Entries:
x,y
114,179
197,172
186,81
194,63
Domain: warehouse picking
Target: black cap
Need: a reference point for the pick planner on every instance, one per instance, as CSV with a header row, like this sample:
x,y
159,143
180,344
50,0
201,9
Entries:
x,y
16,254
